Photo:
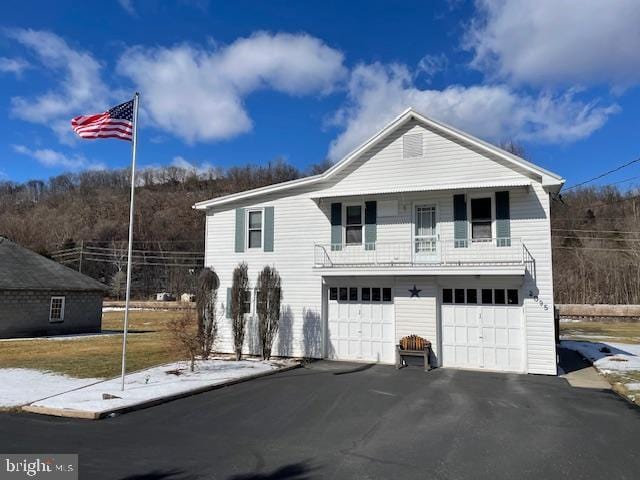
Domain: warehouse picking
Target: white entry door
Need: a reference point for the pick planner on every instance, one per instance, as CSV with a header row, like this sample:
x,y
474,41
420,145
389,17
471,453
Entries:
x,y
360,324
477,332
425,245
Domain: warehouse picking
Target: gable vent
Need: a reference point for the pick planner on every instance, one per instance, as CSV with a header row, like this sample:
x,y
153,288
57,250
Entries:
x,y
412,145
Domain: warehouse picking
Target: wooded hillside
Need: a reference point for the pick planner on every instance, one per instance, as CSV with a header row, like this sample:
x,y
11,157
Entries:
x,y
596,231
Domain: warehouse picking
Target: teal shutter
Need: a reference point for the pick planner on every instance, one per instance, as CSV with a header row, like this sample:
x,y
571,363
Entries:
x,y
370,228
460,235
268,229
336,226
503,219
240,227
228,305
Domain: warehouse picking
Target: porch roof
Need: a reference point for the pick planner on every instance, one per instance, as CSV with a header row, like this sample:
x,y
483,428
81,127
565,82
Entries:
x,y
424,188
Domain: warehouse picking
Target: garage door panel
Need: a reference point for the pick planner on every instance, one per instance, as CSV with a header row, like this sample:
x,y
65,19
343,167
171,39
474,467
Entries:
x,y
515,337
502,336
366,330
360,329
388,332
486,336
461,335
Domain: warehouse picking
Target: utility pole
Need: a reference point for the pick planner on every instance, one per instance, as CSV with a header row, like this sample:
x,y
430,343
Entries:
x,y
81,250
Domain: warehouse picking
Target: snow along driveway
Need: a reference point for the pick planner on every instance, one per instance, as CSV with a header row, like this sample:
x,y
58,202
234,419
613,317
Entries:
x,y
19,386
621,357
157,383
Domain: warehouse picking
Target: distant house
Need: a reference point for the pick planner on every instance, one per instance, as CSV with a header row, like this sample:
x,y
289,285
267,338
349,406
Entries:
x,y
41,297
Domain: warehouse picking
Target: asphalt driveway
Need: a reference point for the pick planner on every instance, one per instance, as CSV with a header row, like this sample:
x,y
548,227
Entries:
x,y
347,421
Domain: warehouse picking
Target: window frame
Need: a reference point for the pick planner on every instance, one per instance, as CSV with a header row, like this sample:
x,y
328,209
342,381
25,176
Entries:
x,y
479,196
251,293
248,229
62,308
345,224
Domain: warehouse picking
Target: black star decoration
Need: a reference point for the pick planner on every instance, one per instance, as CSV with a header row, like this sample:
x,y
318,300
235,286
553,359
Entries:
x,y
414,291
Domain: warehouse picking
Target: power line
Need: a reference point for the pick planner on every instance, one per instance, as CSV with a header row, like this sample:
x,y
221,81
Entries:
x,y
603,174
598,238
593,231
627,250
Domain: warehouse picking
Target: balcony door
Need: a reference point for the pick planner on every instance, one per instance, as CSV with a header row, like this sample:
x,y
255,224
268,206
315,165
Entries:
x,y
425,237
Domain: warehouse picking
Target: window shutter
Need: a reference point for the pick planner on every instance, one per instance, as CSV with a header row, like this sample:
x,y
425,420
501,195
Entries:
x,y
336,226
459,221
503,219
240,227
268,229
370,228
228,305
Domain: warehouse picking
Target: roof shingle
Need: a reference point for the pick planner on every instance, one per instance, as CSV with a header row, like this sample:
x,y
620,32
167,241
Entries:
x,y
23,269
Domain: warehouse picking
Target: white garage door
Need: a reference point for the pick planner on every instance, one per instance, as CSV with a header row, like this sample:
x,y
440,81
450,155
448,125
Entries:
x,y
482,328
360,324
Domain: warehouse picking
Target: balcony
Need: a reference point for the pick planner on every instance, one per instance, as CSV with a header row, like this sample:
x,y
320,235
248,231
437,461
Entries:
x,y
494,256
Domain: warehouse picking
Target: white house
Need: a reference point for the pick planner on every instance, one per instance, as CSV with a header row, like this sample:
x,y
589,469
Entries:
x,y
423,230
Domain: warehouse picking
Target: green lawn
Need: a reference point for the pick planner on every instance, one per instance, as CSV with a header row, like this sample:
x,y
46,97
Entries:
x,y
98,356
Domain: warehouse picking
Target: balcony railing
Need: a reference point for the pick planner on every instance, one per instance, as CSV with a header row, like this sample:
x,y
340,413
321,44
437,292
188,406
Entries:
x,y
424,253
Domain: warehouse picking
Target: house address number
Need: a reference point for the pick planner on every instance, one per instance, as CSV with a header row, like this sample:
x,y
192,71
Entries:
x,y
538,301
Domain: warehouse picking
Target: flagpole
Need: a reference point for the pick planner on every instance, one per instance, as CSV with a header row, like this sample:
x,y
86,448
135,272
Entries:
x,y
130,250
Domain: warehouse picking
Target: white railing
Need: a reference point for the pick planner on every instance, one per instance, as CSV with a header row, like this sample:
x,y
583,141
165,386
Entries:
x,y
423,253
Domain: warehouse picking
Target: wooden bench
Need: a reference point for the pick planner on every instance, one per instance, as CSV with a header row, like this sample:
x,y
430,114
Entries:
x,y
413,346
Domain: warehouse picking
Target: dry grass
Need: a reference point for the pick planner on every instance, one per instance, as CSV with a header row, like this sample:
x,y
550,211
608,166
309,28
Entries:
x,y
620,332
98,356
623,332
620,382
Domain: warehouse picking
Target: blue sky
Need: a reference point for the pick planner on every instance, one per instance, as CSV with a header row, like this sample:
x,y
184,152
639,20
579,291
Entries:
x,y
226,83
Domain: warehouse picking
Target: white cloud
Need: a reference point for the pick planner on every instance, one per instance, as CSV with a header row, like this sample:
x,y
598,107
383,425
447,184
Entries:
x,y
127,5
79,90
558,42
203,167
13,65
378,93
197,94
51,158
432,64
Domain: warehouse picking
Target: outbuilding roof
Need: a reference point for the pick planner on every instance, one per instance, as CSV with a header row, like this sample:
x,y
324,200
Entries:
x,y
23,269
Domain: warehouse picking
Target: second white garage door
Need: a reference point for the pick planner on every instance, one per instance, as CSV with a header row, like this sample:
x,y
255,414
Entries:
x,y
482,328
361,324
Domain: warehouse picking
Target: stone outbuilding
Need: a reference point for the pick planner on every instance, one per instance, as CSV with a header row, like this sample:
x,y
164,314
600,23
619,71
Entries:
x,y
39,296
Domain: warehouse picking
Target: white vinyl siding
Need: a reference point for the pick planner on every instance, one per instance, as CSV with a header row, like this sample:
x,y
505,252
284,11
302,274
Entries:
x,y
444,162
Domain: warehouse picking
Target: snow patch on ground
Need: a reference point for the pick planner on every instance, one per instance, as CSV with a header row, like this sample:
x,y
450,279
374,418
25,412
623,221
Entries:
x,y
71,336
622,357
20,386
131,309
156,383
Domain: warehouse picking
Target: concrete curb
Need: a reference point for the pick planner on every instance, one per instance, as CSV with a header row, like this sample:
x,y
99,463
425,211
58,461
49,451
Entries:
x,y
87,415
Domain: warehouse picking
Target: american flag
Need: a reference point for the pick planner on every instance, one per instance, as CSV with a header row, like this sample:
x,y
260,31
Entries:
x,y
116,122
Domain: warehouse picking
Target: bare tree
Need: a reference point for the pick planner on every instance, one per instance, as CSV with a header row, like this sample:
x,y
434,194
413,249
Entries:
x,y
268,297
240,296
206,301
184,331
511,146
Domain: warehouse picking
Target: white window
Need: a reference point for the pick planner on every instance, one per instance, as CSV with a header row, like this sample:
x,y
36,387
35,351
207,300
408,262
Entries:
x,y
56,309
254,229
481,219
353,225
247,301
